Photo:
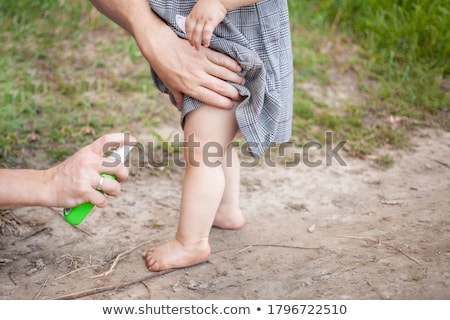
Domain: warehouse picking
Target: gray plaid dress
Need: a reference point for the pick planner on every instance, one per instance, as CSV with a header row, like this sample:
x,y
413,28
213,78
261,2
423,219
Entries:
x,y
258,37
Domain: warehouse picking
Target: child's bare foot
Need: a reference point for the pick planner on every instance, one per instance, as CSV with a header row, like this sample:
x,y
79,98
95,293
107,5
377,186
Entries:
x,y
228,218
174,254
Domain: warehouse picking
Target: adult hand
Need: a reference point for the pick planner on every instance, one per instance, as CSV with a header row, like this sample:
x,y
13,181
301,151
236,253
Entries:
x,y
201,74
75,180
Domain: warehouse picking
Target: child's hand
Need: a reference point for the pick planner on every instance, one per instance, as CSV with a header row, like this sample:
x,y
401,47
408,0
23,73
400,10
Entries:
x,y
203,19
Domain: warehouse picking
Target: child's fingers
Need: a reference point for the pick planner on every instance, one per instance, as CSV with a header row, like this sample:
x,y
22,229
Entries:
x,y
207,33
197,36
193,32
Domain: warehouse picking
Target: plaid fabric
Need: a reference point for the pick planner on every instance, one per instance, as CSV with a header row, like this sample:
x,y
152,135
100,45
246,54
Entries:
x,y
258,37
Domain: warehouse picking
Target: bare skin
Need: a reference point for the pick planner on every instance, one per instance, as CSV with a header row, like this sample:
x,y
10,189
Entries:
x,y
67,184
205,16
210,194
203,75
229,215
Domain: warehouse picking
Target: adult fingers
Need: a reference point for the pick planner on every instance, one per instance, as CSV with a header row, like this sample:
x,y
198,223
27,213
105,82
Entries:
x,y
98,199
178,96
110,141
219,69
109,186
102,187
214,99
222,60
217,94
219,87
114,166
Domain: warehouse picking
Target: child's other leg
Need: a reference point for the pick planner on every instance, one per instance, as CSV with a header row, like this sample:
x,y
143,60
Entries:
x,y
229,215
212,129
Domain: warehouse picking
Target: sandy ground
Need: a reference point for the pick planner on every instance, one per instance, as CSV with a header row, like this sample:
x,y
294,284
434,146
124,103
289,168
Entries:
x,y
329,232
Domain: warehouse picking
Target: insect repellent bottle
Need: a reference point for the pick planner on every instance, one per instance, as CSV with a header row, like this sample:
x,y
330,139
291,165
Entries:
x,y
77,214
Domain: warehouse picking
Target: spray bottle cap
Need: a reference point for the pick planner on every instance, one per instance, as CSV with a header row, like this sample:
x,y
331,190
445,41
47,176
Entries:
x,y
121,152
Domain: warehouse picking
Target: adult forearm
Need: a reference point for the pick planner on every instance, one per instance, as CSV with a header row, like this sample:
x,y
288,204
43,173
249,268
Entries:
x,y
137,18
131,15
184,71
20,187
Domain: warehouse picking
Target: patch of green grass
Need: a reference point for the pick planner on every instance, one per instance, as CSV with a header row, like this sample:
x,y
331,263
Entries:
x,y
68,76
385,161
409,32
399,53
309,61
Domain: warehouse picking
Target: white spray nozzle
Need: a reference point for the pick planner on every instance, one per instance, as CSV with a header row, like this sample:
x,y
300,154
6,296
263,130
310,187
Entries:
x,y
122,152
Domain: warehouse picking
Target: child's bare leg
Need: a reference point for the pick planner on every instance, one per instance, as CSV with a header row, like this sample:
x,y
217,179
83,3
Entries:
x,y
203,188
229,215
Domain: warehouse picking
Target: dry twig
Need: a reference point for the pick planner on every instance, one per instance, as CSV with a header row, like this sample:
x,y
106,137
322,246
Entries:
x,y
42,289
77,270
115,287
443,164
247,246
157,274
118,258
148,289
383,243
45,230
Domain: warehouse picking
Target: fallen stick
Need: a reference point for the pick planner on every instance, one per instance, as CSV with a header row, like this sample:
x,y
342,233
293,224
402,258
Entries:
x,y
42,289
159,273
246,246
77,270
117,259
46,230
443,164
384,243
120,286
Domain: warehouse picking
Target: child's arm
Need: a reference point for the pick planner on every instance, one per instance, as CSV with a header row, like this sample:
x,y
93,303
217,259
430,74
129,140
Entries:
x,y
206,15
234,4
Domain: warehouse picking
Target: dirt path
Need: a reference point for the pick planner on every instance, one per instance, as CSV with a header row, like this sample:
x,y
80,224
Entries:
x,y
337,232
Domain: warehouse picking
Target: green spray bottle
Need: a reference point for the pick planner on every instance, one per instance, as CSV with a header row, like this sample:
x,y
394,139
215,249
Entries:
x,y
77,214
